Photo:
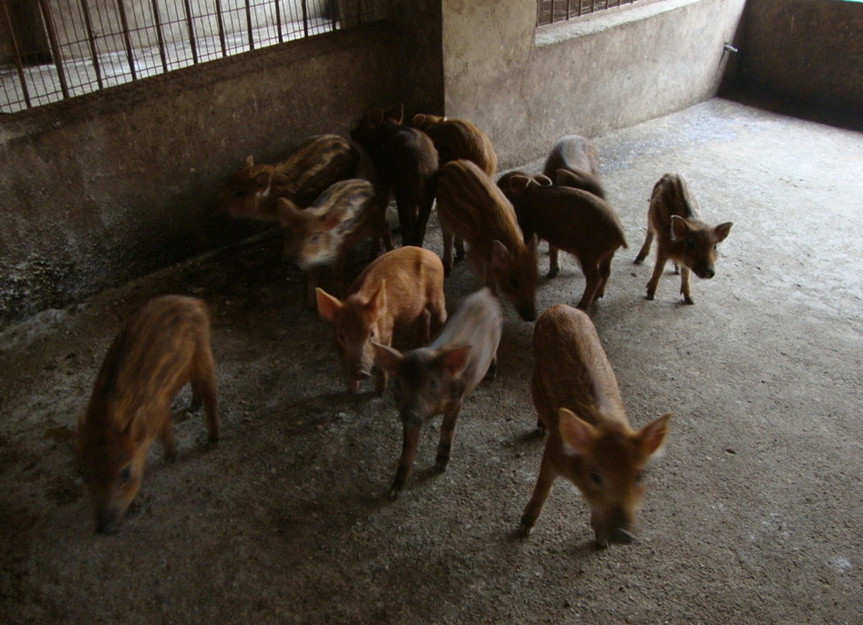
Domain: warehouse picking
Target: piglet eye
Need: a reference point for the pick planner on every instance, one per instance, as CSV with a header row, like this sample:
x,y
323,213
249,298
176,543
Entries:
x,y
513,283
690,244
596,478
639,476
125,474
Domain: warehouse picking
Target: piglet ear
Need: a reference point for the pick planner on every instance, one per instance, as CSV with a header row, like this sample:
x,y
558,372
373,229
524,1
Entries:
x,y
542,180
419,120
519,182
387,358
679,227
378,301
287,212
250,161
721,231
653,436
576,434
328,306
263,180
499,255
396,113
453,360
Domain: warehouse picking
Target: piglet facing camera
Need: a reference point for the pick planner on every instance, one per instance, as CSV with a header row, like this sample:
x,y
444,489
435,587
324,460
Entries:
x,y
436,379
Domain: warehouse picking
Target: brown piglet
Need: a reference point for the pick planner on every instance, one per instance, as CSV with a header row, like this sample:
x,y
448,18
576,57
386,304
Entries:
x,y
433,380
402,287
321,235
458,139
472,207
572,163
590,441
301,177
406,161
674,218
571,220
158,351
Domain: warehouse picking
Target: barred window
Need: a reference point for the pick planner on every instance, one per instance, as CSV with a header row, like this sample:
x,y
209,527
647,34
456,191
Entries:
x,y
52,50
550,11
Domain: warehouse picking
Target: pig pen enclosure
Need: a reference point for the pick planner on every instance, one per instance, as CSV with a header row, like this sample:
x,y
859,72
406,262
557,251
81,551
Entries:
x,y
753,515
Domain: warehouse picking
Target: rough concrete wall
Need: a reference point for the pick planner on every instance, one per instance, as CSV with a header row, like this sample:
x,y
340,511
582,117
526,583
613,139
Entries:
x,y
590,76
806,51
109,186
418,23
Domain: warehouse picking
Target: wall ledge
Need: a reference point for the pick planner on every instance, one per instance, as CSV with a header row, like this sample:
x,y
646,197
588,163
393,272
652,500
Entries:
x,y
605,20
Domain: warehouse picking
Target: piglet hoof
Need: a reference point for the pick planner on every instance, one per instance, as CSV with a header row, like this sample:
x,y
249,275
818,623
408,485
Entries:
x,y
394,492
649,296
638,260
688,300
552,273
525,528
213,440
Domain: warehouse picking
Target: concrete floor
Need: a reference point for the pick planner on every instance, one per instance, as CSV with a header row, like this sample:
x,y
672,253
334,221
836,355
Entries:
x,y
752,516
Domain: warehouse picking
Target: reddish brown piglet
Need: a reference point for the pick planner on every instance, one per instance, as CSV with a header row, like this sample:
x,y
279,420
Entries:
x,y
572,220
159,350
674,218
406,161
322,235
590,441
402,287
301,177
472,207
436,379
572,163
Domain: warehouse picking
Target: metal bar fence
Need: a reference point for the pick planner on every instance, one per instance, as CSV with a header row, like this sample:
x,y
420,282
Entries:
x,y
72,48
551,11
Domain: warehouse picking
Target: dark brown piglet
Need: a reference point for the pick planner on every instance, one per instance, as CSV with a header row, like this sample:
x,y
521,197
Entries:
x,y
321,235
159,350
406,161
400,288
436,379
674,218
590,441
572,163
571,220
301,177
472,207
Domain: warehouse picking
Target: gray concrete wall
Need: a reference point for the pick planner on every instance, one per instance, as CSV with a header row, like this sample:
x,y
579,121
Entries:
x,y
805,51
107,187
527,88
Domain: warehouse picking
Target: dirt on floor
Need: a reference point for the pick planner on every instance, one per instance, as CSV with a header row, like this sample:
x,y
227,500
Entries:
x,y
753,515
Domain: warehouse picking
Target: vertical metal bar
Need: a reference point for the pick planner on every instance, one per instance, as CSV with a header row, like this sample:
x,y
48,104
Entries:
x,y
359,12
249,24
55,49
157,19
18,62
124,24
278,20
221,28
568,8
305,19
191,28
94,54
